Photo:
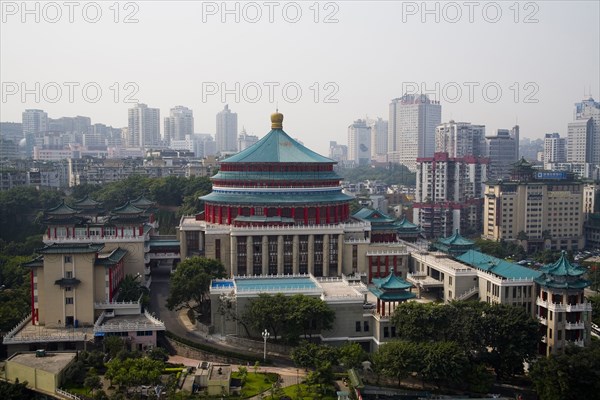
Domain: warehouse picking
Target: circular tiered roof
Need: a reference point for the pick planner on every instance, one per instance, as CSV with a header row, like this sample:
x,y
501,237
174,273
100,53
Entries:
x,y
276,181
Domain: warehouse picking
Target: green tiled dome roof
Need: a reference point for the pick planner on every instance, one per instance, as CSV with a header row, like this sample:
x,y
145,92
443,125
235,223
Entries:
x,y
277,147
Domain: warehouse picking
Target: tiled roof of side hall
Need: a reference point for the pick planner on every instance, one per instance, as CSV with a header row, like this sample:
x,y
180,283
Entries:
x,y
62,209
368,214
456,240
114,257
277,147
70,248
497,266
142,202
87,201
127,208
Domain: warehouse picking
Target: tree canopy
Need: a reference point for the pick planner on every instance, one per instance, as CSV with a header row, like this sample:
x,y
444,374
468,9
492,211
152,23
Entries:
x,y
190,284
134,371
575,374
287,317
502,336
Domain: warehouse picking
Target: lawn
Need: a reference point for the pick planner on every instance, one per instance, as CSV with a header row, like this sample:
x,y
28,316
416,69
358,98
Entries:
x,y
305,392
256,383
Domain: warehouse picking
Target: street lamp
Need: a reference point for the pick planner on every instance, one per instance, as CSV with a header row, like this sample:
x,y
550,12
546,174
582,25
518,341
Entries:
x,y
265,336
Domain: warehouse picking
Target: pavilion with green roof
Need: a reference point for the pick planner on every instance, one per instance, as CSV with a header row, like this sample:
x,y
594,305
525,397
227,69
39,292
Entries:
x,y
387,229
564,313
454,245
562,275
390,290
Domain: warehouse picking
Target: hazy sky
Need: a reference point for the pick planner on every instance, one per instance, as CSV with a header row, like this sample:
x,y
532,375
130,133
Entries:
x,y
348,58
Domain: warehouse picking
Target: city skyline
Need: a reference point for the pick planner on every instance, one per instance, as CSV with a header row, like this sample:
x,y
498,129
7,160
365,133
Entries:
x,y
309,56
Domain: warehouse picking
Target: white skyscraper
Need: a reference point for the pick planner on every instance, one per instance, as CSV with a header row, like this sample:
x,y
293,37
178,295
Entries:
x,y
359,142
379,139
585,110
245,140
179,124
411,128
555,150
226,135
460,139
143,127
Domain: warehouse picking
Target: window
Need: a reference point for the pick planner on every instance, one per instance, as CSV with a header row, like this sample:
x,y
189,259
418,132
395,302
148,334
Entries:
x,y
68,300
69,274
69,288
143,333
68,259
366,326
357,326
386,332
393,331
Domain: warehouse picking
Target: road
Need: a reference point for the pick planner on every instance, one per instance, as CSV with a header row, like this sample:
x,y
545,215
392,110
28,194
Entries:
x,y
159,291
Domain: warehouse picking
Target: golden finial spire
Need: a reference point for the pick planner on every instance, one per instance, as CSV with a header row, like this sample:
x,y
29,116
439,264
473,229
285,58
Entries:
x,y
277,120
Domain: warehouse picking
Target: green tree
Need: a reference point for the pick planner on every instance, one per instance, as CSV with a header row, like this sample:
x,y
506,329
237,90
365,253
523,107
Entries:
x,y
311,355
397,359
308,314
443,362
268,312
134,371
191,282
573,375
351,355
113,345
15,391
92,382
131,289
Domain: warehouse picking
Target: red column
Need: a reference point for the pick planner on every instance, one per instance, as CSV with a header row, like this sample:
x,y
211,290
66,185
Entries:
x,y
293,212
305,216
54,232
228,215
32,298
101,232
279,211
239,210
383,309
48,234
378,305
318,215
327,215
73,231
387,266
141,230
378,267
337,213
122,231
110,283
251,211
395,261
220,214
88,231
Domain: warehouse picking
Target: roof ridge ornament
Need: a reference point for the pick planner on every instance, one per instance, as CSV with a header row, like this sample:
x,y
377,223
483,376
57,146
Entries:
x,y
277,120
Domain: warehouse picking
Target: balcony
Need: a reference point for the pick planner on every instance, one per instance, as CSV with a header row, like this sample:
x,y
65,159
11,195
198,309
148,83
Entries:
x,y
575,325
116,305
577,342
542,320
544,339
